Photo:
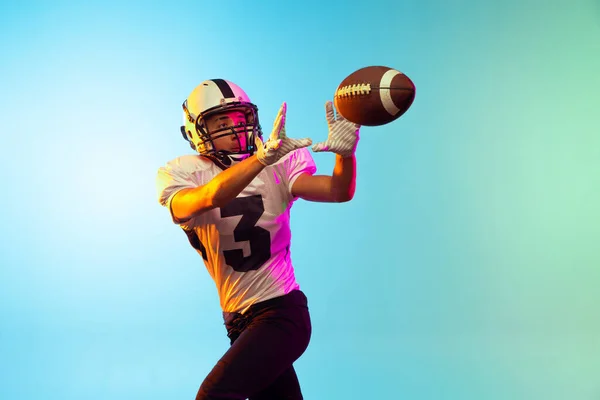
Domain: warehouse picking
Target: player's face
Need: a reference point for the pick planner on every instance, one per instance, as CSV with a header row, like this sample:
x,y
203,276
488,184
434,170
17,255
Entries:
x,y
229,119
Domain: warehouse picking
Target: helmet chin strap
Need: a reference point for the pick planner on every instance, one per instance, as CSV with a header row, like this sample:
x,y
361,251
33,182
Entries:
x,y
238,157
235,158
226,160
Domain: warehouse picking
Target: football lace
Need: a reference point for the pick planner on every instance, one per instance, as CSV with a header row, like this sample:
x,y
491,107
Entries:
x,y
354,90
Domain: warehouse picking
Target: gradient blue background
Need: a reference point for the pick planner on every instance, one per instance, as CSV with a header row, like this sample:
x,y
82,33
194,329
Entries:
x,y
466,267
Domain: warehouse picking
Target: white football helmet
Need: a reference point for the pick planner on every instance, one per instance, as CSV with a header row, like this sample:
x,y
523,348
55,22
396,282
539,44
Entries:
x,y
215,96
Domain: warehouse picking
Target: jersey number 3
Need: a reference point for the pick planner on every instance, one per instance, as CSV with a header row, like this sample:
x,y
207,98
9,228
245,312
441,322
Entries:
x,y
251,209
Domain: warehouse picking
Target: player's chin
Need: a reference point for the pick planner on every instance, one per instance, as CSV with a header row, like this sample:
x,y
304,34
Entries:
x,y
237,149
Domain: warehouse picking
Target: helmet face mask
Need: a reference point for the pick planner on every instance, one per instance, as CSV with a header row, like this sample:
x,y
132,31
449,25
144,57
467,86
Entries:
x,y
241,132
212,98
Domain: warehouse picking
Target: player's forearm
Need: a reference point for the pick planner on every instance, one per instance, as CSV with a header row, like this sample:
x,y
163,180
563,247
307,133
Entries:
x,y
223,188
343,180
229,183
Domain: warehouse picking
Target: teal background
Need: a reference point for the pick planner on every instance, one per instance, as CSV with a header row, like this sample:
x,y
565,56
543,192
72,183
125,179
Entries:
x,y
466,267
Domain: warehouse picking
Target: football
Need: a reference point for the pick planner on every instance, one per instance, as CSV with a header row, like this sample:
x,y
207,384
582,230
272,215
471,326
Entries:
x,y
373,96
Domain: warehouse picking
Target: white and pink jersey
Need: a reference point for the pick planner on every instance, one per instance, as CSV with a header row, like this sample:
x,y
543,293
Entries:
x,y
246,244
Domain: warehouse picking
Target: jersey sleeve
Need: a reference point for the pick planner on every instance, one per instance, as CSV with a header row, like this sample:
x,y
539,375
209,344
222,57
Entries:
x,y
171,178
299,162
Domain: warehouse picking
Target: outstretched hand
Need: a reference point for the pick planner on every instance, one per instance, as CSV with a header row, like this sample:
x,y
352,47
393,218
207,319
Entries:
x,y
278,144
343,134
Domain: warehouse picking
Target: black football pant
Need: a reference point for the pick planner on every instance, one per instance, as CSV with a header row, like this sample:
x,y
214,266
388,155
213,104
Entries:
x,y
265,342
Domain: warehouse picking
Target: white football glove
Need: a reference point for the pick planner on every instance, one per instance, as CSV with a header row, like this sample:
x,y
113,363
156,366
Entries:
x,y
278,144
343,134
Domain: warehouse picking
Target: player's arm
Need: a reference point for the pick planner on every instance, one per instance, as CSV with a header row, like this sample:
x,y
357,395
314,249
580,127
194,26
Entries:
x,y
337,188
342,140
220,190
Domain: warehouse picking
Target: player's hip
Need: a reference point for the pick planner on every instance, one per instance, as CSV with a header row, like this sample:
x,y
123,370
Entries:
x,y
289,311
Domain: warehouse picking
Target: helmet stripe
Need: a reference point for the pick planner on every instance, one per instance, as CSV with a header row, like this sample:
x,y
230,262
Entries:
x,y
224,88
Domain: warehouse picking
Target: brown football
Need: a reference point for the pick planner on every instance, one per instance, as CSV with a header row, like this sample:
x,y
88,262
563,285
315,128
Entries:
x,y
374,95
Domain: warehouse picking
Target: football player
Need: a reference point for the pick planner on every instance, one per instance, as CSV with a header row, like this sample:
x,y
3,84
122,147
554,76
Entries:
x,y
233,201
